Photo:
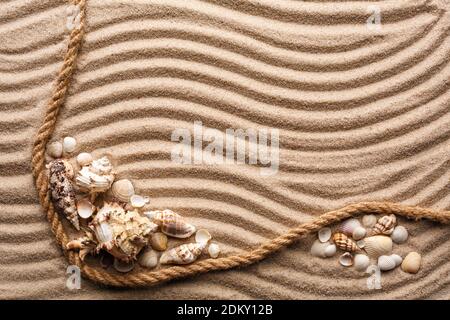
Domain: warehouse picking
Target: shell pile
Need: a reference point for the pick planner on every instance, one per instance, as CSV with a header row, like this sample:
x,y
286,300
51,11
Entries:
x,y
112,216
372,240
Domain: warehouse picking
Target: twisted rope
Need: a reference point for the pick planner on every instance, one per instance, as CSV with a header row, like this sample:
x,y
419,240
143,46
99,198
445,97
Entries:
x,y
147,278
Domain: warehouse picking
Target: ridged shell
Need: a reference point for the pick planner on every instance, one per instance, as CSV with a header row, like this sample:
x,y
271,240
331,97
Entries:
x,y
345,243
171,223
361,262
62,190
122,190
346,259
412,262
376,246
385,225
97,177
348,226
386,263
184,254
399,235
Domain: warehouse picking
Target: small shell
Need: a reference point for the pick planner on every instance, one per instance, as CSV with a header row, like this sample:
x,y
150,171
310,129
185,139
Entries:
x,y
122,266
385,225
184,254
69,144
149,259
399,235
359,233
348,226
330,250
376,246
318,249
412,262
324,234
85,208
202,236
122,190
346,259
345,243
361,243
369,220
361,262
55,149
171,223
398,259
158,241
214,250
386,263
138,201
84,159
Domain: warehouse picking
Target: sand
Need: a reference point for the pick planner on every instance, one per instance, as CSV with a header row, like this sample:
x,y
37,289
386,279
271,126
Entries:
x,y
362,115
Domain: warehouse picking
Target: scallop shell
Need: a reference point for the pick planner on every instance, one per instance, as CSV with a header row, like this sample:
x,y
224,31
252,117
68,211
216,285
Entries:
x,y
369,220
376,246
214,250
122,190
346,259
148,259
171,223
202,236
158,241
84,159
348,226
97,177
324,234
386,263
184,254
398,259
62,190
69,144
385,225
343,242
399,235
123,266
359,233
361,262
138,201
85,208
412,262
55,149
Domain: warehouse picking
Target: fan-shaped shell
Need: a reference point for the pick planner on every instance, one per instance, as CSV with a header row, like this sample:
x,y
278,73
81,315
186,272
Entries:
x,y
171,223
345,243
376,246
386,263
359,233
184,254
399,235
122,190
348,226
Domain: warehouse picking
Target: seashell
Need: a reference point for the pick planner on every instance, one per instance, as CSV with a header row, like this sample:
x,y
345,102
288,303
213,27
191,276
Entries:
x,y
343,242
148,259
138,201
361,262
359,233
171,223
398,259
399,235
202,236
69,144
62,190
97,177
214,250
55,149
330,250
184,254
318,249
84,159
106,260
369,220
412,262
158,241
376,246
85,208
123,266
348,226
84,245
385,225
324,234
122,233
386,263
122,190
346,259
361,243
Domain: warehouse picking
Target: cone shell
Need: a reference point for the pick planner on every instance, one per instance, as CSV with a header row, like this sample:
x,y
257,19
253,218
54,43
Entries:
x,y
184,254
348,226
376,246
171,223
62,190
345,243
385,225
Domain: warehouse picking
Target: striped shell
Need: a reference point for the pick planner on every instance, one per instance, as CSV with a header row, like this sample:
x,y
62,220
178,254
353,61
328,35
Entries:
x,y
376,246
348,226
385,225
171,223
184,254
345,243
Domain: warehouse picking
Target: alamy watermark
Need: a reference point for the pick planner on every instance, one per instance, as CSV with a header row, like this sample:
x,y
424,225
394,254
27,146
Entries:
x,y
73,282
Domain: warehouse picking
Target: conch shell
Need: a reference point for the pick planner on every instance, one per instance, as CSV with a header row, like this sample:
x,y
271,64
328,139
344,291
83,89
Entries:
x,y
122,233
385,225
345,243
171,223
184,254
62,191
96,177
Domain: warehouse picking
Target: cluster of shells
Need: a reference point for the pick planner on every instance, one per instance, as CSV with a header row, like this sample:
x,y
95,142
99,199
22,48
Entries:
x,y
113,219
365,241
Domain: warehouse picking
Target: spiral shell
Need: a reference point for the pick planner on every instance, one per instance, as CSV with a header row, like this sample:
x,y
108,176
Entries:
x,y
376,246
184,254
345,243
97,177
385,225
171,223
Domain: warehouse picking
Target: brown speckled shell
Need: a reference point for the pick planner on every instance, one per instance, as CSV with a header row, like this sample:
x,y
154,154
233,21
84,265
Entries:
x,y
343,242
172,223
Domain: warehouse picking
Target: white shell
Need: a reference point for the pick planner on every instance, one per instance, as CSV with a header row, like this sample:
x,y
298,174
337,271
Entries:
x,y
346,259
361,262
369,220
412,262
359,233
122,190
399,235
361,243
318,249
330,250
97,177
149,259
184,254
398,259
84,159
85,208
324,234
386,263
138,201
214,250
376,246
69,144
122,266
101,166
348,226
55,149
202,236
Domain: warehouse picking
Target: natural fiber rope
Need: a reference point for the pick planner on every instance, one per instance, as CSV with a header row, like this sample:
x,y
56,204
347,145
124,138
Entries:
x,y
146,278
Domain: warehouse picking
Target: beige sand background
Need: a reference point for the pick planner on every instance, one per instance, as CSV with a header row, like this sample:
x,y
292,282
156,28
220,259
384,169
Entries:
x,y
363,115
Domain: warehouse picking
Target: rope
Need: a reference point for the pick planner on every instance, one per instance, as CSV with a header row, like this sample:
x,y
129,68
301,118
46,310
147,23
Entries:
x,y
147,278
